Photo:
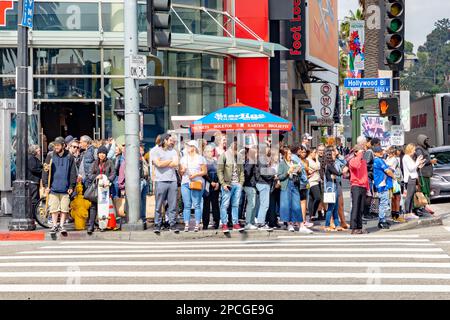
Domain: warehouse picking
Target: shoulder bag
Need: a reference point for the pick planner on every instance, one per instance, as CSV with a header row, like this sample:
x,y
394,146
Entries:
x,y
329,196
194,185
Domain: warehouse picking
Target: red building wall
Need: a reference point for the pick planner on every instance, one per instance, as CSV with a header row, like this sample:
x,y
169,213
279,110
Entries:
x,y
252,74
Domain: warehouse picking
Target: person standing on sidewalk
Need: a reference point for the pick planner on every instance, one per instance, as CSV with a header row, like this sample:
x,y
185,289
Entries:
x,y
314,183
166,161
342,167
426,172
211,195
383,176
62,183
34,172
230,170
359,183
394,163
410,177
264,180
101,166
290,208
192,169
250,169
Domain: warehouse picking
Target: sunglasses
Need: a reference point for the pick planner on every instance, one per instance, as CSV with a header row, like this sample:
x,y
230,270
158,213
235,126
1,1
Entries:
x,y
76,147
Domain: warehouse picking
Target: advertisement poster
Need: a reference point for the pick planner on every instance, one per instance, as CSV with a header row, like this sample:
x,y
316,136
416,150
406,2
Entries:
x,y
356,46
375,127
322,31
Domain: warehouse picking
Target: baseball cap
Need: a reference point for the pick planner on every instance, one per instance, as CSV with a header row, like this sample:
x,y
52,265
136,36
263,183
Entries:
x,y
69,139
193,143
59,140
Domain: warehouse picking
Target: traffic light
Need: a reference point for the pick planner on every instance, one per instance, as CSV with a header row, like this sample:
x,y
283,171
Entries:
x,y
119,108
158,24
153,97
388,107
394,34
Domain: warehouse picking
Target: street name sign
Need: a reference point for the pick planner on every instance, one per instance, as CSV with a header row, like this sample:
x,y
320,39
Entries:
x,y
379,84
28,13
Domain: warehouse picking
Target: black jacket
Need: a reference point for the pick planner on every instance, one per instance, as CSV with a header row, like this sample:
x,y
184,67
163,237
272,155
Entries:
x,y
422,150
108,170
249,173
265,174
34,172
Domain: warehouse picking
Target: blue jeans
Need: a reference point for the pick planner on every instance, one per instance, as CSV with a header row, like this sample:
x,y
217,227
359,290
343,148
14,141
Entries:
x,y
385,205
290,209
191,198
264,201
234,197
144,191
250,211
333,211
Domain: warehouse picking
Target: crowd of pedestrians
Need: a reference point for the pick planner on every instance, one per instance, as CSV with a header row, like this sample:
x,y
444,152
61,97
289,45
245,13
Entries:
x,y
256,187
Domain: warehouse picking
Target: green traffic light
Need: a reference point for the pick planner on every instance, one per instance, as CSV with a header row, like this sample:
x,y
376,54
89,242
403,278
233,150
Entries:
x,y
395,25
394,57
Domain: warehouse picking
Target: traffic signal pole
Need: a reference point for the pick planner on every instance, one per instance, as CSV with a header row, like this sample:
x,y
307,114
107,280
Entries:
x,y
22,209
132,154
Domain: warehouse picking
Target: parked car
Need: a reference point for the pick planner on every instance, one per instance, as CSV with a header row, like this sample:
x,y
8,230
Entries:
x,y
440,182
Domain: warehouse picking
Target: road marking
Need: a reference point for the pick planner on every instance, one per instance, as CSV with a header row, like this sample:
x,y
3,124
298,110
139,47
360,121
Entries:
x,y
102,288
394,236
229,263
244,245
447,228
162,250
202,274
229,255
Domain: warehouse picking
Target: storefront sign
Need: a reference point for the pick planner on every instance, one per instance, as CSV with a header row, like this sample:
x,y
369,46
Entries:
x,y
4,6
295,32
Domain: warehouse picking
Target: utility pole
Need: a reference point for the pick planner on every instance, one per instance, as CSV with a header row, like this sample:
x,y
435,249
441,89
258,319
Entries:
x,y
22,209
132,175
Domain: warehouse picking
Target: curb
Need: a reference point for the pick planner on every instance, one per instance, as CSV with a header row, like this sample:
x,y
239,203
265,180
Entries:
x,y
23,236
416,224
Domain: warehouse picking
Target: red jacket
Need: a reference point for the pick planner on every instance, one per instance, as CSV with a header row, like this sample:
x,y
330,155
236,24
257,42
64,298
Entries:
x,y
358,172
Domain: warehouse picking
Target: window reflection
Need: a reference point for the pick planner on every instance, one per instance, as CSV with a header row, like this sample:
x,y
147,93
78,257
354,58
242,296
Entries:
x,y
72,16
67,61
52,88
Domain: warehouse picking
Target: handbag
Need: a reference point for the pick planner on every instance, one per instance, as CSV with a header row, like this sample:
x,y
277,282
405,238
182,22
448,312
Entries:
x,y
196,185
91,192
374,204
420,200
329,196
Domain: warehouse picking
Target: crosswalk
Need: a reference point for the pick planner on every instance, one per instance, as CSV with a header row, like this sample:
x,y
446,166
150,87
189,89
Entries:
x,y
294,264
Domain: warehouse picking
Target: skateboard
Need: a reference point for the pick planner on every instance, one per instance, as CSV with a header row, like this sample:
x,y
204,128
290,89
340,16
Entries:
x,y
103,203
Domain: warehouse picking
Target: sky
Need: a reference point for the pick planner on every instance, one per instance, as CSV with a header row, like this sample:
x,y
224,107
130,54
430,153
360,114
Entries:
x,y
420,17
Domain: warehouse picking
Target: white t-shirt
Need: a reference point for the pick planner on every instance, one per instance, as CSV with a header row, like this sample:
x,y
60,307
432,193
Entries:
x,y
193,166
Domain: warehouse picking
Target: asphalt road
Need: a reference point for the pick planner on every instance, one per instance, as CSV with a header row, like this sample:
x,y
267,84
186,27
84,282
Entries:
x,y
412,264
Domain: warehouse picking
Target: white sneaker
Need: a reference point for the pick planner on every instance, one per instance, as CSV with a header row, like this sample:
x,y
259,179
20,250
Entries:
x,y
266,228
411,216
291,228
304,229
251,227
309,224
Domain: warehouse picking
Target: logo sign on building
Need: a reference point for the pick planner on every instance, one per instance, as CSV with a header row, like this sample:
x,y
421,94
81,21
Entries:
x,y
295,32
323,99
356,46
5,5
138,67
28,13
397,136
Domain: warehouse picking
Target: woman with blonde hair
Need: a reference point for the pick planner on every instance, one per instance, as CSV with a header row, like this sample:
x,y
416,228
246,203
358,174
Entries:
x,y
410,177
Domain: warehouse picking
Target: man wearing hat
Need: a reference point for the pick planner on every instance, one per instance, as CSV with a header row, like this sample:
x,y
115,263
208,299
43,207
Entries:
x,y
62,183
306,140
382,180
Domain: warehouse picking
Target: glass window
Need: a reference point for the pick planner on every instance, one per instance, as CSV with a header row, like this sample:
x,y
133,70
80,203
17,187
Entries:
x,y
212,67
67,61
112,17
185,97
51,88
69,16
190,17
8,60
113,62
213,97
185,64
11,18
7,88
443,158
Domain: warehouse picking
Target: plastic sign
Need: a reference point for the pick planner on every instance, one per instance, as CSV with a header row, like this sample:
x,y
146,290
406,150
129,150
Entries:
x,y
5,5
138,67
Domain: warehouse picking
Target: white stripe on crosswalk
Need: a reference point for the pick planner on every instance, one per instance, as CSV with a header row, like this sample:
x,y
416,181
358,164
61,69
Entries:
x,y
229,263
229,255
102,288
447,228
162,250
202,274
245,245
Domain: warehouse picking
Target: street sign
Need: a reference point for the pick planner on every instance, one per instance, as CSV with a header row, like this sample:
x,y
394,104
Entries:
x,y
5,5
397,136
138,67
28,13
379,84
325,112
